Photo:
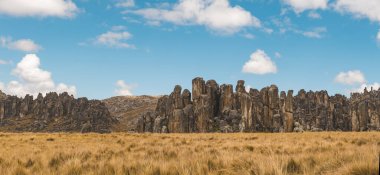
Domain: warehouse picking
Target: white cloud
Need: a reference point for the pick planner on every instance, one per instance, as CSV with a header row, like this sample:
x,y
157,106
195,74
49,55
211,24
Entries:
x,y
360,9
115,39
26,45
260,63
314,15
315,33
378,36
33,80
217,15
375,86
123,89
39,8
301,5
350,77
125,3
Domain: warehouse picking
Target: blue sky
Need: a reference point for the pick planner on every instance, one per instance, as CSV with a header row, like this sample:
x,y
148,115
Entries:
x,y
100,49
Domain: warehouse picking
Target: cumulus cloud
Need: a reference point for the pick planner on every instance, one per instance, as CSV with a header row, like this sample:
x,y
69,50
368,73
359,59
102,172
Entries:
x,y
260,63
26,45
125,3
350,77
375,86
301,5
124,89
33,80
115,38
360,9
39,8
217,15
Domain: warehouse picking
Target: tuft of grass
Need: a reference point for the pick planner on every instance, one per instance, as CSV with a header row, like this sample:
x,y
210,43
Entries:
x,y
249,148
293,167
50,139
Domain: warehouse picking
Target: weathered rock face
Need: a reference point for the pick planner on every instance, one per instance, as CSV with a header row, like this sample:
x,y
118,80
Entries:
x,y
365,111
214,108
53,113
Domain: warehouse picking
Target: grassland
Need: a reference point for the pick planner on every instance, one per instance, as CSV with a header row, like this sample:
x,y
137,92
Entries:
x,y
122,153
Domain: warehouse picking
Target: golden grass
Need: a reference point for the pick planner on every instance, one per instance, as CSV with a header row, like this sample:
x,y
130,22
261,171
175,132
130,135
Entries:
x,y
256,153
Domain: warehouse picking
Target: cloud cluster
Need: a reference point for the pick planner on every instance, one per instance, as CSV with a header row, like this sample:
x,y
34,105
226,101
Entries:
x,y
115,38
33,80
285,24
301,5
260,63
39,8
123,89
26,45
217,15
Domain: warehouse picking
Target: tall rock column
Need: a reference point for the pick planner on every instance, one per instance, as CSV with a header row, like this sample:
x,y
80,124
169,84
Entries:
x,y
202,105
274,108
267,119
226,99
247,123
288,118
178,122
199,87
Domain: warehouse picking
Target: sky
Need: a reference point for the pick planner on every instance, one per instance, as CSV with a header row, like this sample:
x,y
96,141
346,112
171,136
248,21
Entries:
x,y
104,48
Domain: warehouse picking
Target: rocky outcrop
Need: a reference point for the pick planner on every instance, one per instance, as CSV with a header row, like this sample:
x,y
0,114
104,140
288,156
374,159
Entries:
x,y
217,108
53,113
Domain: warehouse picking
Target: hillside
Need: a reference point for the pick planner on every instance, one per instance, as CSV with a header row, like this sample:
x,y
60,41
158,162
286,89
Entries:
x,y
127,109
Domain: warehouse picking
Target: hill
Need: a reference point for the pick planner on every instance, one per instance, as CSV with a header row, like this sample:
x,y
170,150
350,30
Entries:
x,y
127,109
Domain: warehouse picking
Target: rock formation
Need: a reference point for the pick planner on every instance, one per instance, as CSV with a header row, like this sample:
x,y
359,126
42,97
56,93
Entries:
x,y
214,108
53,113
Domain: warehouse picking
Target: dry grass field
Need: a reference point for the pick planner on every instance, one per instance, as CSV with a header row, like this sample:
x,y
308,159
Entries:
x,y
122,153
